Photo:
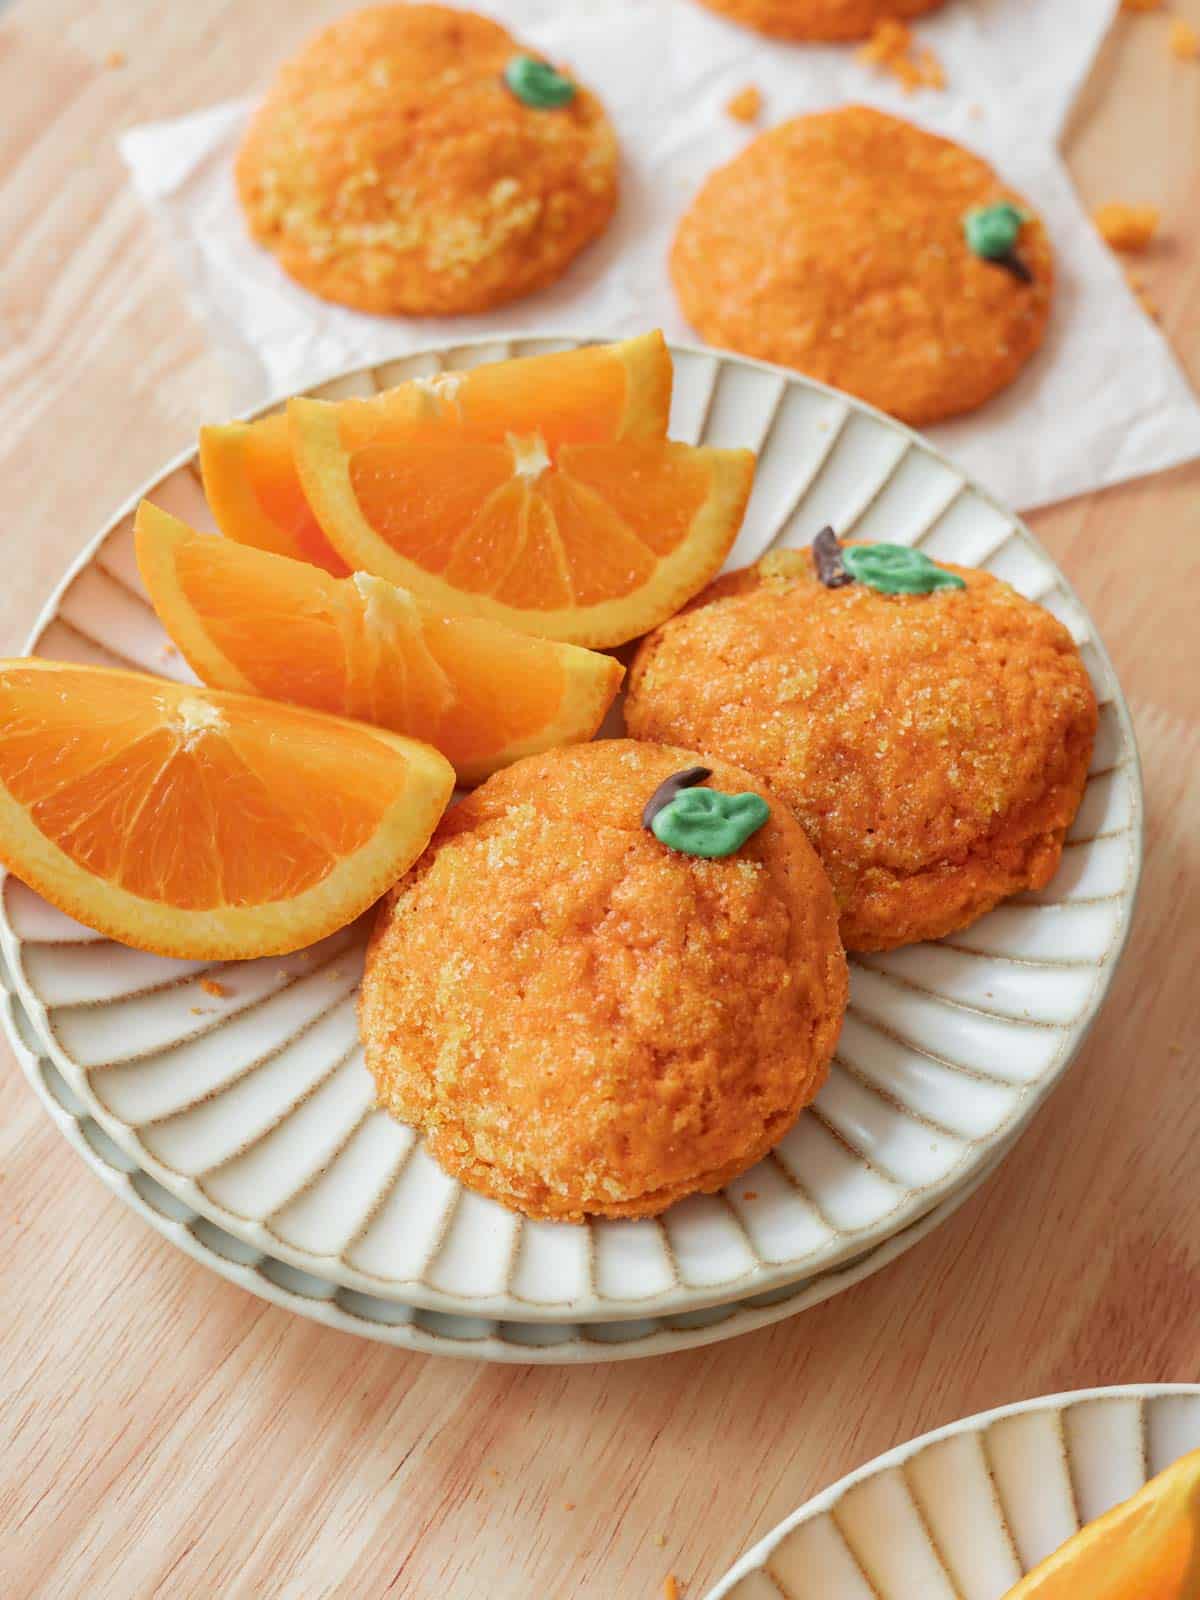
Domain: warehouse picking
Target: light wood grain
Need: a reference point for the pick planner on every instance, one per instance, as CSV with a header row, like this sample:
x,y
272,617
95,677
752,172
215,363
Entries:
x,y
162,1433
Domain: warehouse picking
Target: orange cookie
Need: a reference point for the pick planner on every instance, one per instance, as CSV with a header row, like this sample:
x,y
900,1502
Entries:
x,y
415,159
838,244
819,19
934,746
583,1018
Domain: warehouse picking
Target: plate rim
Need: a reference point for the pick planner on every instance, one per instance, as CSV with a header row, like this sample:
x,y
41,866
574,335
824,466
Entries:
x,y
744,1317
1066,1400
679,1299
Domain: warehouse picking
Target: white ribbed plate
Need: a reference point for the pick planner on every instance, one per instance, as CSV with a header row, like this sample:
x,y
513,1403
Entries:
x,y
255,1109
966,1512
390,1321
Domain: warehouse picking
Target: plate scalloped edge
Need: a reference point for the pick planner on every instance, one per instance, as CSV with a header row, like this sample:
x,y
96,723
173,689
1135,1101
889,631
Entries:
x,y
965,1511
415,1328
918,1096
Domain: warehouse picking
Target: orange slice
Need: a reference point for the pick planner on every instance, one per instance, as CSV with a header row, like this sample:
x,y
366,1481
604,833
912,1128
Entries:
x,y
1148,1548
255,495
589,543
598,393
249,621
203,825
602,392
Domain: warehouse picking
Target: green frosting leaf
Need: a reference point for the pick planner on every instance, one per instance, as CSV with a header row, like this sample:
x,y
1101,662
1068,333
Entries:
x,y
895,569
992,231
705,822
537,84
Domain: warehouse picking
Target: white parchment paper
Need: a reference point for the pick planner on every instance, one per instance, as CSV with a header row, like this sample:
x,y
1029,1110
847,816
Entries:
x,y
1103,400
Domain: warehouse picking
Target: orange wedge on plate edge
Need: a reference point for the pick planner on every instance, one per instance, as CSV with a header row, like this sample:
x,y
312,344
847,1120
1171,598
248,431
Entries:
x,y
252,490
590,543
198,824
261,624
1148,1548
600,392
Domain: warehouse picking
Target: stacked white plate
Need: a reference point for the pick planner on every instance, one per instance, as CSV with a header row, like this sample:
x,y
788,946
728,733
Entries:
x,y
243,1123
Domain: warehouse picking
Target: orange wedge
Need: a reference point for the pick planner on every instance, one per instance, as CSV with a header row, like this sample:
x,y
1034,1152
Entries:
x,y
589,543
255,495
258,623
1148,1548
203,825
602,392
598,393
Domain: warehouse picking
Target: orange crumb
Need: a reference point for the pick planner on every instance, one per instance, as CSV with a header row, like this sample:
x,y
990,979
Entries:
x,y
1126,227
746,104
568,1505
211,986
671,1588
750,1194
1141,5
115,58
1184,40
888,40
1145,299
890,48
932,75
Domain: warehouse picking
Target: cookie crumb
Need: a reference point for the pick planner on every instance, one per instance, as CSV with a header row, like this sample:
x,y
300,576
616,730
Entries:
x,y
660,1540
1145,299
1124,227
750,1194
1184,40
211,986
1174,1049
746,105
891,49
115,58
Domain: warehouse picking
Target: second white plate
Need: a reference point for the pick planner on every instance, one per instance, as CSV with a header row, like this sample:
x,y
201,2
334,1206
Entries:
x,y
253,1108
966,1512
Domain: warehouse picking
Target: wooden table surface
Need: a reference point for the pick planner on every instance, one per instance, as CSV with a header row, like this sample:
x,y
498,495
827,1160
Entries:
x,y
163,1433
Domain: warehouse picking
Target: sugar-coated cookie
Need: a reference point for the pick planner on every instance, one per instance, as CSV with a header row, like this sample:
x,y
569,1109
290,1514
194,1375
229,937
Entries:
x,y
586,1019
416,159
933,745
849,245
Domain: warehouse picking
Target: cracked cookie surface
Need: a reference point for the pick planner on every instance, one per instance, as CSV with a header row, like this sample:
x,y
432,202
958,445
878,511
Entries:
x,y
934,747
584,1021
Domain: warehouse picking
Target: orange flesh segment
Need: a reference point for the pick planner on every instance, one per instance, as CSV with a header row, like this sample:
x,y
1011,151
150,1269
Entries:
x,y
602,515
655,488
508,684
153,787
422,495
